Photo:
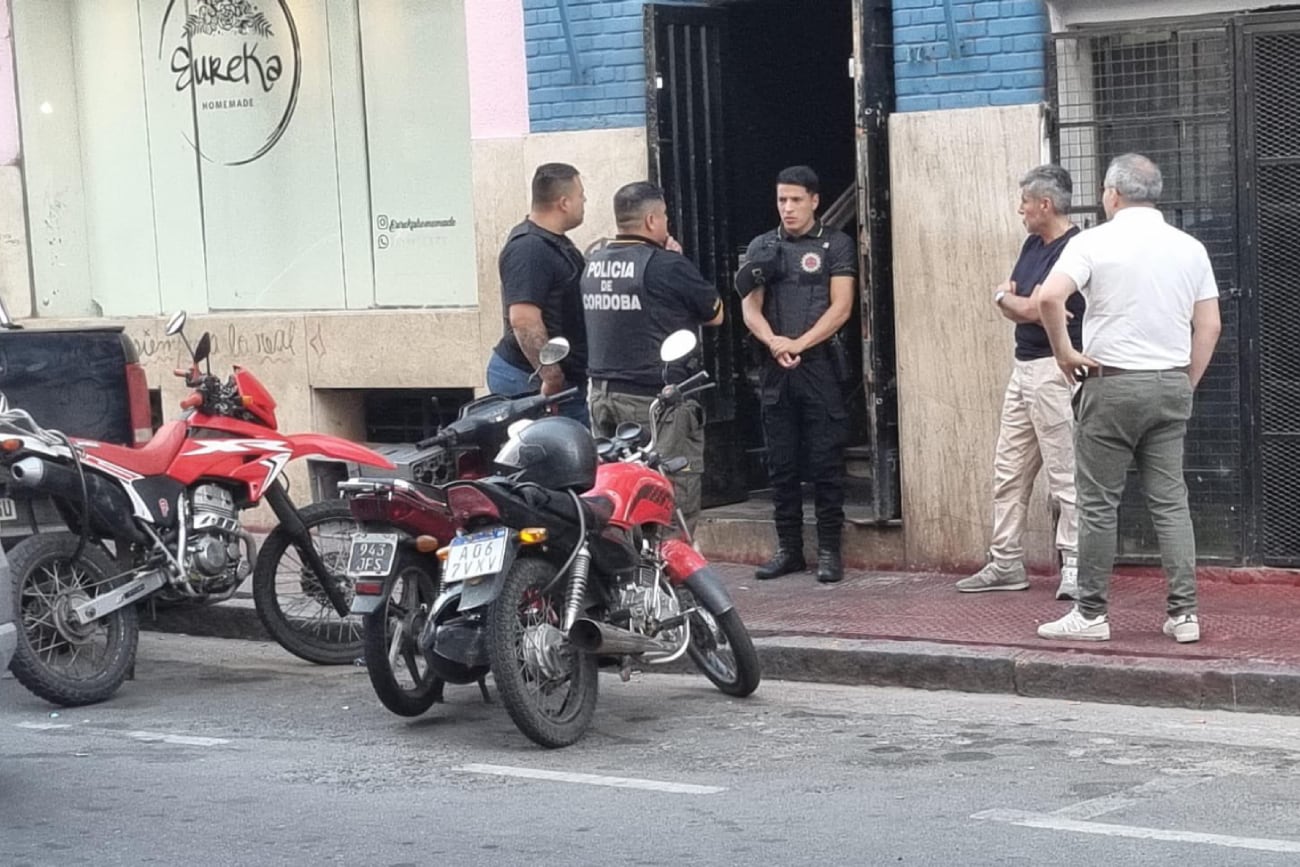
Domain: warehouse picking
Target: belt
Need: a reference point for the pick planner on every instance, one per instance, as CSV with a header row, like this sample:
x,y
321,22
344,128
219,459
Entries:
x,y
1103,371
622,386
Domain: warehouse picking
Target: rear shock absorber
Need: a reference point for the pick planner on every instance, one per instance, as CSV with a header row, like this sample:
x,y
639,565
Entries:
x,y
577,585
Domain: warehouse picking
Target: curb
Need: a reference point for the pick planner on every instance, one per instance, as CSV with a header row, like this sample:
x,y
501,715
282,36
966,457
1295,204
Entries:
x,y
1197,684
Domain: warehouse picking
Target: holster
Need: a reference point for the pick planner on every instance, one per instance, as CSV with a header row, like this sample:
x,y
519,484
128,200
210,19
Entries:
x,y
837,352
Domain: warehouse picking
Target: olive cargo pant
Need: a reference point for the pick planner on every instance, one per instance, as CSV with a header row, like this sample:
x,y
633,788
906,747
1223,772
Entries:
x,y
1138,416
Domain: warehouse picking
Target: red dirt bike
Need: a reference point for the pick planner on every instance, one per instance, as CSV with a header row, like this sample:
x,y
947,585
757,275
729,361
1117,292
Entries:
x,y
170,509
568,561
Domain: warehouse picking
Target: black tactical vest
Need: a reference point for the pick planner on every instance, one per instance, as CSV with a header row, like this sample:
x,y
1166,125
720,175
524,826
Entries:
x,y
802,293
622,334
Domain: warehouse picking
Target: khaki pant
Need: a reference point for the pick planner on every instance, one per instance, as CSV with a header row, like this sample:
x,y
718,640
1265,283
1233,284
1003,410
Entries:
x,y
681,434
1132,417
1036,433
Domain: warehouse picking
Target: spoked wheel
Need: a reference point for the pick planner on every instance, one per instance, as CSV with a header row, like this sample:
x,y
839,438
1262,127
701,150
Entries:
x,y
289,596
59,658
547,685
398,669
721,648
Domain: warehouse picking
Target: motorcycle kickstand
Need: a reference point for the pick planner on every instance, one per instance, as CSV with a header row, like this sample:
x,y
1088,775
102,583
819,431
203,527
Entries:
x,y
483,690
625,669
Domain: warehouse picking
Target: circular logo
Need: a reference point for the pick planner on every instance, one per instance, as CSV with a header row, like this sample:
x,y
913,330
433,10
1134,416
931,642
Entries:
x,y
236,65
811,263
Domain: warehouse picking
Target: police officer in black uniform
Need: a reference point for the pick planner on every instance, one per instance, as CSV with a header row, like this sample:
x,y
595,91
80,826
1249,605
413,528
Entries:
x,y
796,282
635,292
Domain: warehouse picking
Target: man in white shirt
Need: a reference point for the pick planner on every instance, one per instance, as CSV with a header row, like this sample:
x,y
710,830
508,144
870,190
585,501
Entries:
x,y
1151,328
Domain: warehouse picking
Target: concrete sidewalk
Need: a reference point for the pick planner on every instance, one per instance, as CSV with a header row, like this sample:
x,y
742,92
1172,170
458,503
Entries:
x,y
913,629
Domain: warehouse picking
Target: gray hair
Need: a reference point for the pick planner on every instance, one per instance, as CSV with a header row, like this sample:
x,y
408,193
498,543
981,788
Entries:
x,y
1049,182
1136,178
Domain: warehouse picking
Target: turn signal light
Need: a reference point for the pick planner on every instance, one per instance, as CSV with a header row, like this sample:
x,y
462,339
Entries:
x,y
11,445
532,535
427,544
368,588
246,401
443,552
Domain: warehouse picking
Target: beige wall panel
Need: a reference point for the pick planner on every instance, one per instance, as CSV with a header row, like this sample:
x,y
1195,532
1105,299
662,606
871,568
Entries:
x,y
955,237
607,159
501,201
394,349
15,275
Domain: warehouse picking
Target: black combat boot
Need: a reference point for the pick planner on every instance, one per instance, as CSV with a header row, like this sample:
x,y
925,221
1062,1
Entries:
x,y
787,559
830,567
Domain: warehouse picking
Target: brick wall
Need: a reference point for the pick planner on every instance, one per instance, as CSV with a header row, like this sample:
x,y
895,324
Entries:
x,y
999,58
608,88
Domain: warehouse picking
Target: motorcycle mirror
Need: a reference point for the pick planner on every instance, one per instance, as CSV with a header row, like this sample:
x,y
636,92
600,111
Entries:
x,y
554,351
176,324
677,345
628,431
204,349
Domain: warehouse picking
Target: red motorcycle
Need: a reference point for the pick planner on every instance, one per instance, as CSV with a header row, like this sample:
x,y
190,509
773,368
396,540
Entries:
x,y
170,509
559,580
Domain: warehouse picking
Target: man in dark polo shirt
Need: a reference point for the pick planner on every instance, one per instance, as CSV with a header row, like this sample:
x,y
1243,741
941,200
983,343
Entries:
x,y
540,269
1036,431
634,294
796,282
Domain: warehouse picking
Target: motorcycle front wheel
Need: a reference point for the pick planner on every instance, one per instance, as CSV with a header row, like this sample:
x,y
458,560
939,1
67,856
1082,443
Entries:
x,y
288,595
58,658
721,648
548,686
398,669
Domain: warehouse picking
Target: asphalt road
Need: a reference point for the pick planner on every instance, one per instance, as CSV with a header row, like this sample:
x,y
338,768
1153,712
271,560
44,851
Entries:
x,y
232,752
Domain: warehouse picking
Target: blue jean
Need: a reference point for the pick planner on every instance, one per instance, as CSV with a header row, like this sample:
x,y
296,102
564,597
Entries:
x,y
504,378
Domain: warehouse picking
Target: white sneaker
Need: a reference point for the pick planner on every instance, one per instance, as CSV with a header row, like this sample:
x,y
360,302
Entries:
x,y
1184,629
1075,627
1069,588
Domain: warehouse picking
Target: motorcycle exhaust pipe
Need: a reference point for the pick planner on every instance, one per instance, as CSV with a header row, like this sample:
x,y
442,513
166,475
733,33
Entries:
x,y
110,510
592,636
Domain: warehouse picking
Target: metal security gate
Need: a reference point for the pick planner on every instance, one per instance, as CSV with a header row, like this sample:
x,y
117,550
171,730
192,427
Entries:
x,y
1269,141
1165,90
1216,103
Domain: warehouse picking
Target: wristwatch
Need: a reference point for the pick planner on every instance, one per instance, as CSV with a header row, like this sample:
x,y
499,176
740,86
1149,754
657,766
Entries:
x,y
998,296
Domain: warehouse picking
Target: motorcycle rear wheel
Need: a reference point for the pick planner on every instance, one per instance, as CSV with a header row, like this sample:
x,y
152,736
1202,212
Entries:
x,y
58,659
533,662
399,672
289,598
722,649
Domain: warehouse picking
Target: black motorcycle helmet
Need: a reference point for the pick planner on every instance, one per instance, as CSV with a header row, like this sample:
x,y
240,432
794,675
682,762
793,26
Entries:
x,y
554,452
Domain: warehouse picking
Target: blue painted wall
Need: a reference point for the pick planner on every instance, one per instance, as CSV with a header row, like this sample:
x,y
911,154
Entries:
x,y
999,57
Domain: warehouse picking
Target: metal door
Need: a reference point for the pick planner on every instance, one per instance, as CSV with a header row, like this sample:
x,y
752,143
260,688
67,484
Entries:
x,y
1269,184
684,49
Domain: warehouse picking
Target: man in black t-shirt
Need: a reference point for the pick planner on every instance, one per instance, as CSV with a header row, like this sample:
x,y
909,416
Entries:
x,y
1037,430
796,285
540,269
636,292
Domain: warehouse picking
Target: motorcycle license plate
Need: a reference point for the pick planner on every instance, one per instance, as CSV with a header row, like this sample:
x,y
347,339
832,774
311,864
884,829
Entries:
x,y
372,555
476,554
8,511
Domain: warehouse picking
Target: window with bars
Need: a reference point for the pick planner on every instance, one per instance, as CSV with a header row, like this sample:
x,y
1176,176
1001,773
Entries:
x,y
405,415
1166,92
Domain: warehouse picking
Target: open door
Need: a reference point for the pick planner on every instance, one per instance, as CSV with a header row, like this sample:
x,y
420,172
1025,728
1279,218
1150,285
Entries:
x,y
685,134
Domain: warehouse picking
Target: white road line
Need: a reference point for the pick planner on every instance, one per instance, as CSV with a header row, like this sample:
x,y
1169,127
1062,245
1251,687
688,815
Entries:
x,y
42,727
1052,822
1095,807
592,779
180,740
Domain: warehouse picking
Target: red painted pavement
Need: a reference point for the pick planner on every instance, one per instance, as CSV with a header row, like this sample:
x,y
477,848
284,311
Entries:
x,y
1255,621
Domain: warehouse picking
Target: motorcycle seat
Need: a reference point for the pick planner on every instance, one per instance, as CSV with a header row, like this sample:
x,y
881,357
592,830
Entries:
x,y
151,459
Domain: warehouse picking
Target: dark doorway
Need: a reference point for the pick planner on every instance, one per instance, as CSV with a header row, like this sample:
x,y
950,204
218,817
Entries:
x,y
738,92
